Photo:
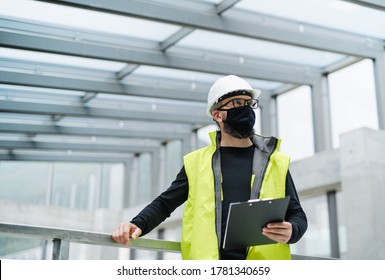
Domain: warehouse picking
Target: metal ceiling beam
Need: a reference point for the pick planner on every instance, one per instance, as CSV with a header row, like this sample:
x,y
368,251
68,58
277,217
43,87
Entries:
x,y
23,156
84,111
139,148
135,44
175,38
46,81
343,63
89,131
283,89
126,71
77,34
373,4
183,59
192,85
45,67
225,5
259,26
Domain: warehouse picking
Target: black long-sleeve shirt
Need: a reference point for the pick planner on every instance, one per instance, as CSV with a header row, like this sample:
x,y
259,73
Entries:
x,y
236,167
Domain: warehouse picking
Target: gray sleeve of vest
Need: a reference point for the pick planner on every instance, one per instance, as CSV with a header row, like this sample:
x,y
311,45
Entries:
x,y
162,206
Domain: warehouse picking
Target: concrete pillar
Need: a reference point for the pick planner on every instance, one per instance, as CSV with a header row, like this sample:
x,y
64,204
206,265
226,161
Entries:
x,y
269,121
362,179
132,185
186,144
162,168
321,115
155,171
120,195
145,190
379,78
174,161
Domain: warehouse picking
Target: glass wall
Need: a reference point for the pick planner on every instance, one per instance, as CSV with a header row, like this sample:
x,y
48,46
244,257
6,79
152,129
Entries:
x,y
69,185
24,182
352,99
77,186
295,123
316,241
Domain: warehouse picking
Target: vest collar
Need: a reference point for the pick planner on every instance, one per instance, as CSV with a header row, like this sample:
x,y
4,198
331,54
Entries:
x,y
264,144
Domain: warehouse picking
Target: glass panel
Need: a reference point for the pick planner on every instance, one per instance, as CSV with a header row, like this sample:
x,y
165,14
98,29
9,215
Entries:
x,y
65,60
87,19
147,104
257,125
352,99
9,90
295,124
316,241
161,72
241,46
24,118
23,182
265,85
112,180
20,248
124,125
183,75
329,13
76,185
13,137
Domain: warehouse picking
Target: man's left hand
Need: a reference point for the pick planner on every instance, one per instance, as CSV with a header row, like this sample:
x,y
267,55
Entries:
x,y
280,232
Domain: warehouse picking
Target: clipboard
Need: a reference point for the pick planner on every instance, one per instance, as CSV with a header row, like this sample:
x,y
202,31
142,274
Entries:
x,y
245,221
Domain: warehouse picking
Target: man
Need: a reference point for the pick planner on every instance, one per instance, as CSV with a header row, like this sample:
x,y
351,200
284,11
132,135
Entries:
x,y
237,166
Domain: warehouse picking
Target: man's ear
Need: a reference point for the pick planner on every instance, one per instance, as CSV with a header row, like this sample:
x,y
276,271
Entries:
x,y
217,116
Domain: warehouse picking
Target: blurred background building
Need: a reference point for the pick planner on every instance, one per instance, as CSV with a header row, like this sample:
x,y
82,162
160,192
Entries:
x,y
100,100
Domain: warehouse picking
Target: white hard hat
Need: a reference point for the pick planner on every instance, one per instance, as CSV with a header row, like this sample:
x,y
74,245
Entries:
x,y
225,85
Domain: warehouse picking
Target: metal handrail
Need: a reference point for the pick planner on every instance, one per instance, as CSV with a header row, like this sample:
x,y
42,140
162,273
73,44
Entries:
x,y
63,237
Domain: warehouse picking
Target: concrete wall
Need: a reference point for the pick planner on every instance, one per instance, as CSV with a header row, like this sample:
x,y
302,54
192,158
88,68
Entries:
x,y
357,170
363,186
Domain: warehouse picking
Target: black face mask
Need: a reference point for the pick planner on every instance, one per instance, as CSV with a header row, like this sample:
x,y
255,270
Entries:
x,y
240,122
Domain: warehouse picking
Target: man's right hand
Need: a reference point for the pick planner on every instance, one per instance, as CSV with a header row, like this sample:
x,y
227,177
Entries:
x,y
124,232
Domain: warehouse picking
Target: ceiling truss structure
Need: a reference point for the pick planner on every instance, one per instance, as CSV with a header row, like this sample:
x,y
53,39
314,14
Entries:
x,y
148,110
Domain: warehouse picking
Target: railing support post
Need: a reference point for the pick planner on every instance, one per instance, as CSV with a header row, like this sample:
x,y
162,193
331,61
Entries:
x,y
333,224
61,249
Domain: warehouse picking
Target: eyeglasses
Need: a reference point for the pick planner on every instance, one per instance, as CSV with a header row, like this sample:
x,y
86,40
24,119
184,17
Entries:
x,y
240,102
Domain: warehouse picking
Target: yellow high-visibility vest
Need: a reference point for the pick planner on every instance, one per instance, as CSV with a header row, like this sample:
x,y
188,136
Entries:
x,y
201,226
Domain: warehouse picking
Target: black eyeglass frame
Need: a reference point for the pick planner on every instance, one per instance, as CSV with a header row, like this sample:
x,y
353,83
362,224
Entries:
x,y
246,102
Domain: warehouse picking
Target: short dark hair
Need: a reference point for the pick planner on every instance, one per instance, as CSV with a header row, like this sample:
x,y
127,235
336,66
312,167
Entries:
x,y
234,93
230,94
